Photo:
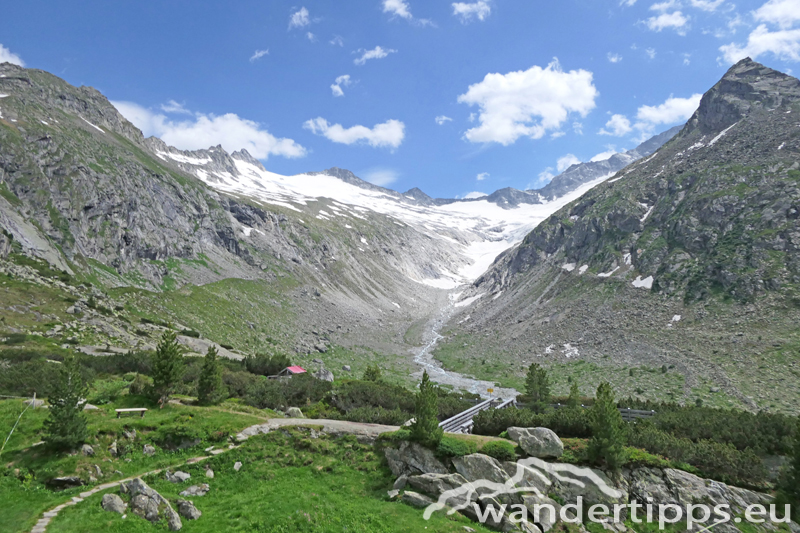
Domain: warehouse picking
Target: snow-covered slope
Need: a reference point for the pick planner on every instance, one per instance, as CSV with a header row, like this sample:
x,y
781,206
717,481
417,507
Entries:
x,y
481,228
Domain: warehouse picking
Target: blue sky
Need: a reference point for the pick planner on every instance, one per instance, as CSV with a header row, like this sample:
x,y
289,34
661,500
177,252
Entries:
x,y
452,97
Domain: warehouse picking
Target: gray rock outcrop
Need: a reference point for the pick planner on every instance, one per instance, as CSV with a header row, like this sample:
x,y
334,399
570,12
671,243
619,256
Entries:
x,y
113,503
149,504
188,510
196,490
410,458
537,442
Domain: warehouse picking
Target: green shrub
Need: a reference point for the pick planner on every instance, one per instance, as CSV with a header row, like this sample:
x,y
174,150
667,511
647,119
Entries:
x,y
401,435
453,447
500,450
140,385
106,391
266,364
377,415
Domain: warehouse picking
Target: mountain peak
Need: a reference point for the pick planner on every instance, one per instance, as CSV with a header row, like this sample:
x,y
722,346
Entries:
x,y
746,87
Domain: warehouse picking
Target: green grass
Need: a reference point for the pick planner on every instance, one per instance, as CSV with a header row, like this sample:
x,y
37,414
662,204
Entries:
x,y
25,496
289,482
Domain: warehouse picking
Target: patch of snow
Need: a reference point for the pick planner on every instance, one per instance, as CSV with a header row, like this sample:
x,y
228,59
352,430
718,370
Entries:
x,y
348,226
468,301
646,283
676,318
496,296
781,146
43,122
364,241
92,125
583,269
3,96
325,213
627,258
180,158
649,210
718,137
607,274
569,267
360,249
246,230
696,145
465,319
549,349
397,305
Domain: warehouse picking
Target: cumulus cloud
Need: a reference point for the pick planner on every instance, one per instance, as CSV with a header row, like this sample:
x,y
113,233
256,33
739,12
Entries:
x,y
337,41
566,161
398,8
782,40
299,19
672,111
675,20
614,58
474,194
388,134
482,176
544,177
6,56
174,107
441,119
204,130
311,37
783,13
466,11
706,5
376,53
341,81
381,176
528,103
627,3
651,53
258,54
617,126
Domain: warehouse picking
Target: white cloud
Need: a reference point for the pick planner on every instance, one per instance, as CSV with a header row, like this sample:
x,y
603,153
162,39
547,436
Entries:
x,y
577,127
341,81
602,156
783,44
665,6
202,131
672,111
258,54
651,53
474,194
174,107
675,20
389,134
627,3
311,37
467,11
441,119
299,19
783,13
397,8
687,59
706,5
375,53
482,176
566,161
617,126
6,56
337,41
614,58
528,103
545,177
381,176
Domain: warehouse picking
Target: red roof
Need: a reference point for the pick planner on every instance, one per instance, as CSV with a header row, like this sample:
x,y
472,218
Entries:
x,y
296,369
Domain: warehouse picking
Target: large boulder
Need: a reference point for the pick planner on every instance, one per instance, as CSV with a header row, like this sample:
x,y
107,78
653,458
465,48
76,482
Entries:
x,y
324,375
87,450
113,503
188,510
525,476
410,458
294,412
416,500
196,490
486,473
537,442
149,504
177,477
592,485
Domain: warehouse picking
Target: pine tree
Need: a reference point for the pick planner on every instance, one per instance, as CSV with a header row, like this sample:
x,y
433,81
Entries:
x,y
372,373
65,427
537,387
210,390
168,367
574,399
789,486
425,428
608,430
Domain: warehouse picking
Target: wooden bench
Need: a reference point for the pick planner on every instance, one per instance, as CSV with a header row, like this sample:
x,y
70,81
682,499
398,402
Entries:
x,y
140,410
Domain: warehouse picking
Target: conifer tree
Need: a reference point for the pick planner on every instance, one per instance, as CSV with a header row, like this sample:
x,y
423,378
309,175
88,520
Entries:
x,y
574,399
425,428
372,373
210,390
789,486
65,427
537,387
608,430
168,367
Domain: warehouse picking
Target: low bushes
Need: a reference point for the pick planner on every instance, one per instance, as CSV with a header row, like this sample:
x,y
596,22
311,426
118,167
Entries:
x,y
500,450
454,447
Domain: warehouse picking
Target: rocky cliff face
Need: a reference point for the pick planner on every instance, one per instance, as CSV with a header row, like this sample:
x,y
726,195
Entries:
x,y
658,265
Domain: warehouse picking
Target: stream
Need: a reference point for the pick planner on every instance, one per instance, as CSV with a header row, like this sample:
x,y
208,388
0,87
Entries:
x,y
425,359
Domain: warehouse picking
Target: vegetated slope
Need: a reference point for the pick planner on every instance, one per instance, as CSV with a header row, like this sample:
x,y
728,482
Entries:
x,y
678,278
